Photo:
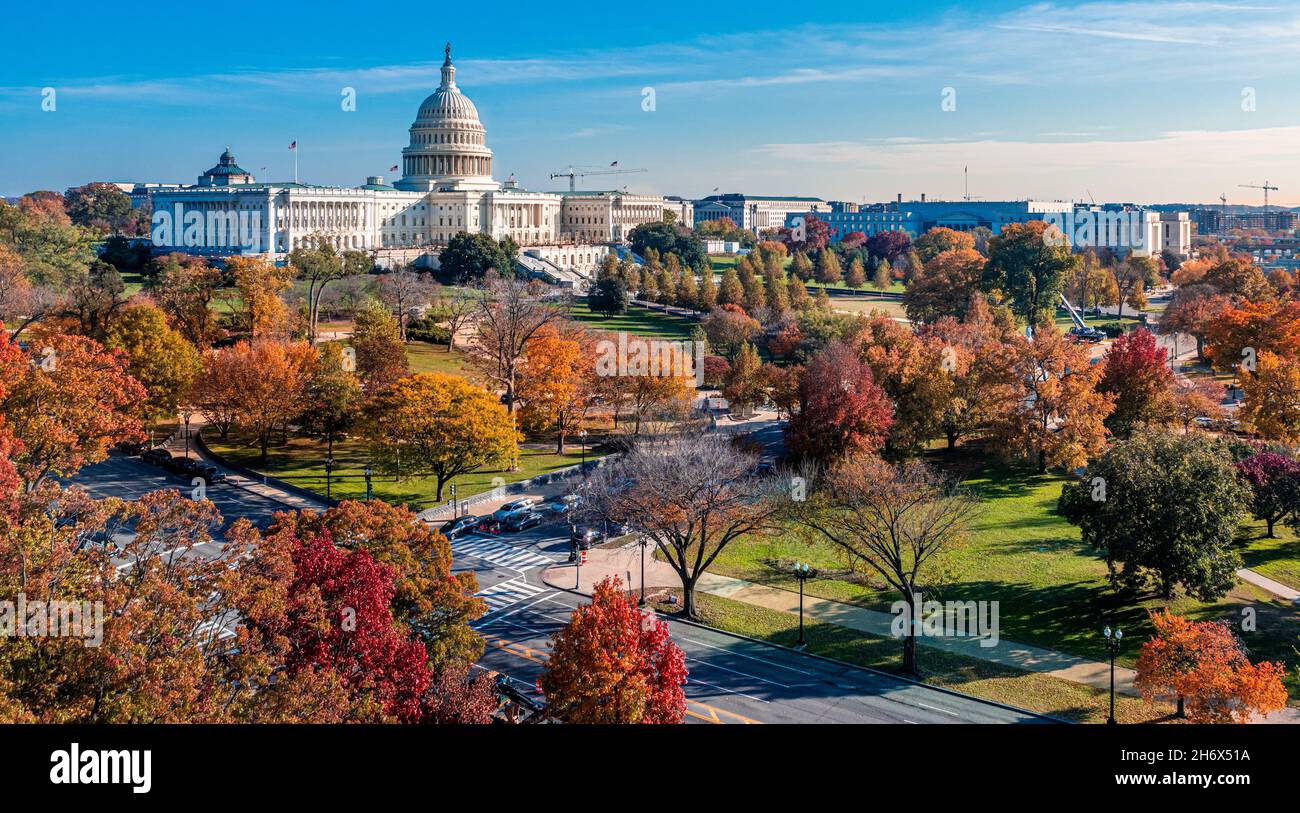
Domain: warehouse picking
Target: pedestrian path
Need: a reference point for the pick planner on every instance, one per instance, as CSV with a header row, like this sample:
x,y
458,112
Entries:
x,y
177,446
507,594
499,553
1275,587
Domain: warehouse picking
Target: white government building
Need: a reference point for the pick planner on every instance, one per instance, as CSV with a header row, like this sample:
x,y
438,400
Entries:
x,y
446,188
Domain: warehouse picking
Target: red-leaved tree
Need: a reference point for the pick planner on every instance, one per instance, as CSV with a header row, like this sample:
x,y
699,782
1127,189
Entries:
x,y
614,664
840,411
1136,372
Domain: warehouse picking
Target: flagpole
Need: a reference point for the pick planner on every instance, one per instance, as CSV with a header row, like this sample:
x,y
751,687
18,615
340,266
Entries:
x,y
295,161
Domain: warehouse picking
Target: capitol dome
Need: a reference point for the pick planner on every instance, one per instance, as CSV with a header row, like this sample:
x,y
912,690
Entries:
x,y
447,148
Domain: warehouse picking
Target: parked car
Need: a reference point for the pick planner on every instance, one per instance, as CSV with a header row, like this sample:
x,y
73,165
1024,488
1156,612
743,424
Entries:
x,y
569,502
524,504
520,520
156,457
210,474
460,526
586,538
128,448
179,465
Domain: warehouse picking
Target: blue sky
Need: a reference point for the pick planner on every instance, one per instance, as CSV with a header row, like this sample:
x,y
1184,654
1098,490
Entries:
x,y
1124,101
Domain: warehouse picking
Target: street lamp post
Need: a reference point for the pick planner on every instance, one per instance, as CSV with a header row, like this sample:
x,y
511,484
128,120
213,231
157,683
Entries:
x,y
801,572
187,414
645,542
1112,646
582,437
369,490
329,470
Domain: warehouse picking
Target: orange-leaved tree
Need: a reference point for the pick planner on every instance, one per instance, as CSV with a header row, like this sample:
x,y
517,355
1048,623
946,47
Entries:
x,y
66,404
1203,665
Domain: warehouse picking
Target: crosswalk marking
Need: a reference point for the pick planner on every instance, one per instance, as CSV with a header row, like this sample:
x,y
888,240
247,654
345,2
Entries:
x,y
506,594
499,553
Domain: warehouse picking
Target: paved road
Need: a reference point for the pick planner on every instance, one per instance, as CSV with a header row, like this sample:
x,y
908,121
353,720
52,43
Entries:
x,y
131,478
732,680
737,681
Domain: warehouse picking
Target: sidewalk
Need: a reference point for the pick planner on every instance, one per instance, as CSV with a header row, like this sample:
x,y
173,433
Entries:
x,y
625,563
1275,587
176,445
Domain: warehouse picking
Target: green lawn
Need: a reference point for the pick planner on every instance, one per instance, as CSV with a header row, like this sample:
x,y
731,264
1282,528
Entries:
x,y
1052,590
434,358
639,321
301,462
1035,692
869,306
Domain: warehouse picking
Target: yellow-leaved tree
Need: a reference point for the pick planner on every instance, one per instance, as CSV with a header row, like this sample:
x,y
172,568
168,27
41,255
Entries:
x,y
439,425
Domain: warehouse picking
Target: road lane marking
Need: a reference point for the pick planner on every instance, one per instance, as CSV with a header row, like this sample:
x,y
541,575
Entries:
x,y
708,713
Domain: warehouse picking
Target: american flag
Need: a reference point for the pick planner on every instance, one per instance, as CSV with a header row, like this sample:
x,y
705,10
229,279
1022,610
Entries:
x,y
614,164
393,168
293,145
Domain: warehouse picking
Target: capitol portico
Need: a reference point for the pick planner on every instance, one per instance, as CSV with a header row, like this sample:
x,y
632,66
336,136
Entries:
x,y
446,188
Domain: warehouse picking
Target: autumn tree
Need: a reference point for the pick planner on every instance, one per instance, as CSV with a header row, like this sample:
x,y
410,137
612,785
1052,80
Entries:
x,y
889,245
1271,404
95,298
974,356
1237,277
914,372
329,613
510,313
611,663
940,240
1058,416
1190,311
743,387
332,397
1235,334
185,287
1136,373
945,286
259,285
215,392
891,522
405,290
159,357
1274,481
729,328
558,386
692,496
1089,284
1164,508
436,604
440,425
455,308
1204,666
269,386
68,405
377,342
841,411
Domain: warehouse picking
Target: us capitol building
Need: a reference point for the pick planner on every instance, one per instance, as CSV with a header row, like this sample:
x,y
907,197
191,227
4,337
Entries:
x,y
446,188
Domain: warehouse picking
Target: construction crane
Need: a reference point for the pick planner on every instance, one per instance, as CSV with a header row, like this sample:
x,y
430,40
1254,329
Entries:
x,y
574,173
1223,211
1265,187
